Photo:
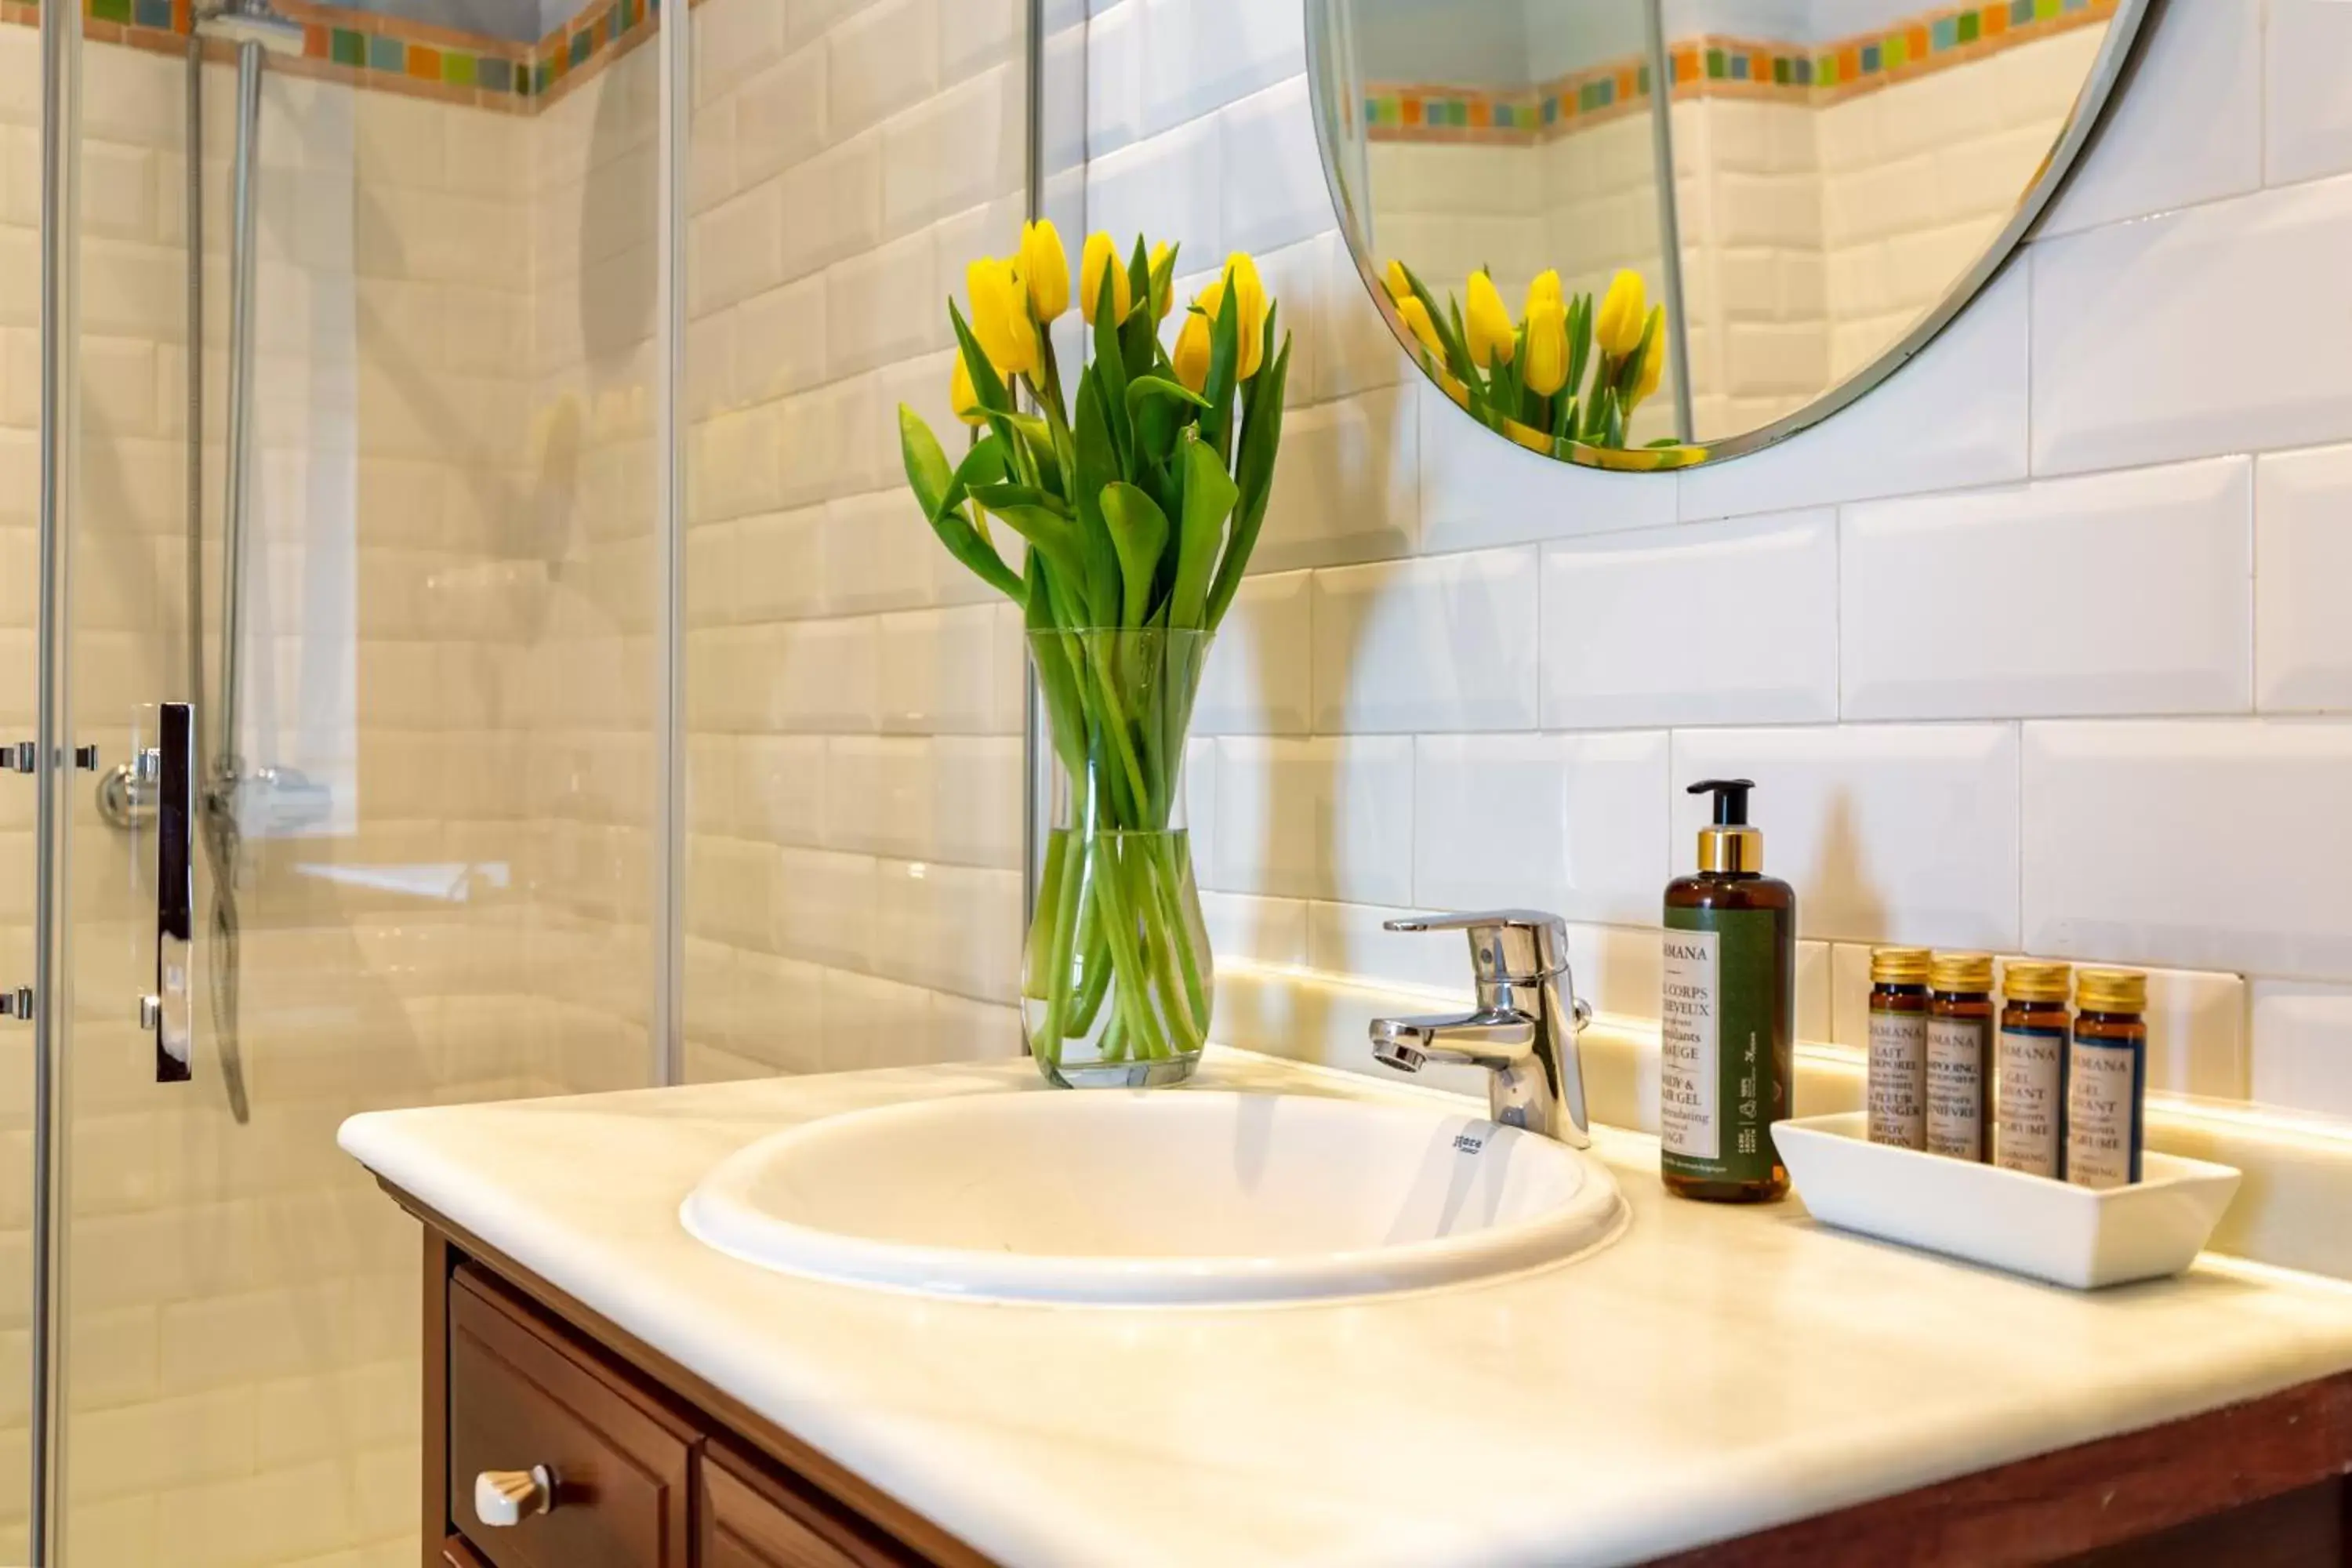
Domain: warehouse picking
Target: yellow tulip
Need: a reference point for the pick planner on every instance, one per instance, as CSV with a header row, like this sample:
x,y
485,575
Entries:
x,y
1046,268
1492,338
1249,295
1163,300
1546,368
1099,257
1653,362
1617,326
1191,352
999,316
961,397
1544,287
1416,316
1400,282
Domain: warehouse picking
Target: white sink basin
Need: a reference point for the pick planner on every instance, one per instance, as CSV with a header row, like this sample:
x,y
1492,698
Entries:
x,y
1154,1198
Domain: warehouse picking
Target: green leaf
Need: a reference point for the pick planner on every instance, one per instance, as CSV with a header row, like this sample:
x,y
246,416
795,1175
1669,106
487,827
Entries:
x,y
928,474
1144,388
1209,497
999,497
1110,366
1448,330
1049,534
1140,336
983,465
1253,476
1096,466
1139,530
1225,368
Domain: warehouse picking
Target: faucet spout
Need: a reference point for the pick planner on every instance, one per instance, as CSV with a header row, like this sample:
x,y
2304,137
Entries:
x,y
1490,1039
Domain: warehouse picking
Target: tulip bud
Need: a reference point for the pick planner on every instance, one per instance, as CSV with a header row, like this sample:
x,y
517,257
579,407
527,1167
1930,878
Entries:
x,y
1544,287
1492,338
1618,325
1653,362
1046,268
1163,298
1101,256
961,397
1249,294
999,316
1400,282
1547,367
1191,352
1416,316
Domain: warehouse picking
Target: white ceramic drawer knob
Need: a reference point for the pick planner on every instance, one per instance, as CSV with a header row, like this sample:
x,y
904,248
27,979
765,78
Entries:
x,y
503,1497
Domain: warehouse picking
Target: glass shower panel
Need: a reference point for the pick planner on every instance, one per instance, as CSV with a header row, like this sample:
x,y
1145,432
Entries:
x,y
425,838
853,697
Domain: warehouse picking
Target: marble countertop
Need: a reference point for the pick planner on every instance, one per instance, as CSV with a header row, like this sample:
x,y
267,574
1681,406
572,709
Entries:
x,y
1716,1372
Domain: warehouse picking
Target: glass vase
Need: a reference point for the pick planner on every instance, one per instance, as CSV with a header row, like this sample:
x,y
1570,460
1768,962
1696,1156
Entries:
x,y
1117,980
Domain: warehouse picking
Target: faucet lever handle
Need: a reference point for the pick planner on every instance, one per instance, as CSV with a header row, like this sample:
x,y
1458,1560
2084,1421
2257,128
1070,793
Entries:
x,y
1505,944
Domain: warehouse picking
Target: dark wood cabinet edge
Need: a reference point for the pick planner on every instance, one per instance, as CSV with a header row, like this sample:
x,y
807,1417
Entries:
x,y
434,1524
759,1448
2072,1501
455,1551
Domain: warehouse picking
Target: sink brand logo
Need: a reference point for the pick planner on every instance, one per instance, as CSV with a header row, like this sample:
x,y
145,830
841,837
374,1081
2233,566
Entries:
x,y
1469,1143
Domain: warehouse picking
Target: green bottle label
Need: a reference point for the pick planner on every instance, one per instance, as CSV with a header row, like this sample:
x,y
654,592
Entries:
x,y
1720,1080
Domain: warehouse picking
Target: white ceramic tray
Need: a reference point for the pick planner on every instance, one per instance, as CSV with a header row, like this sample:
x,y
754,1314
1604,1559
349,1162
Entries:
x,y
2028,1224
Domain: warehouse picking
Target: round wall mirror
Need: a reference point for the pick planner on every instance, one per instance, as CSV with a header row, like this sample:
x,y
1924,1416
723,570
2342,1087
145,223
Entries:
x,y
1626,277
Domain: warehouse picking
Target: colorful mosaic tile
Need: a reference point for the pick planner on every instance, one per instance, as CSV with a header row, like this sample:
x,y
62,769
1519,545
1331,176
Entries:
x,y
392,55
1707,65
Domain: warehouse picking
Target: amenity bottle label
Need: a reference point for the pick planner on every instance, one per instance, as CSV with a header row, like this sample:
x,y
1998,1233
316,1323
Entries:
x,y
1956,1069
2103,1104
2029,1131
1718,1093
1897,1082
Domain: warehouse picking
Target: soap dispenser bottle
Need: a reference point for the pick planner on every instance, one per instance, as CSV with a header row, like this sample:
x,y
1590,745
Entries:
x,y
1729,1013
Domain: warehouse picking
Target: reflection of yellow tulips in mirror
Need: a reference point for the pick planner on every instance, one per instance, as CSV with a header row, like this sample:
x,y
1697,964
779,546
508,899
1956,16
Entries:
x,y
961,398
1569,373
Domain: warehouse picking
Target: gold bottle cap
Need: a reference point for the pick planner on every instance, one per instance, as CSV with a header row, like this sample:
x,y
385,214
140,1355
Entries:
x,y
1730,849
2111,991
1898,966
2032,981
1961,972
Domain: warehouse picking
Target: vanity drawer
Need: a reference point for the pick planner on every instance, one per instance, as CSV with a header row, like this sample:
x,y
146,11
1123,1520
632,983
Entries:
x,y
522,1397
747,1520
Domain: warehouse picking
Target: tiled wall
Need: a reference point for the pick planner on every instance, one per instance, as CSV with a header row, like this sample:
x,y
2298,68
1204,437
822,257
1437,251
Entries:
x,y
2033,650
853,695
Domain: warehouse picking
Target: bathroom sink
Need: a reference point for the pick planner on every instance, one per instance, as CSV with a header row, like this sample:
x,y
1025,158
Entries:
x,y
1165,1197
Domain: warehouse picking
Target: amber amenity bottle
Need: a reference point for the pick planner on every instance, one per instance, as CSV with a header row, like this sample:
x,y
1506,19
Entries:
x,y
1895,1090
1729,1012
1959,1055
2029,1123
2106,1078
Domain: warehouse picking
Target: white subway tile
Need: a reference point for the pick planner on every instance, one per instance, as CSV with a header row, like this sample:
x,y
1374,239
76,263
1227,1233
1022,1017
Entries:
x,y
2307,48
884,58
1814,966
777,565
953,928
1572,824
2148,156
2124,592
2303,558
1274,193
835,200
824,907
1199,54
878,795
1477,489
966,146
944,672
2204,846
884,305
1348,487
1170,187
1441,643
1620,969
1355,350
815,675
2128,367
1258,681
1263,931
1888,832
1114,76
1725,622
1954,414
876,552
1315,819
779,788
2302,1057
976,799
780,117
1352,939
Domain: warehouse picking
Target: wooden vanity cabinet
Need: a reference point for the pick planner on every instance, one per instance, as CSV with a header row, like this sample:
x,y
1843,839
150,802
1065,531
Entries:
x,y
652,1468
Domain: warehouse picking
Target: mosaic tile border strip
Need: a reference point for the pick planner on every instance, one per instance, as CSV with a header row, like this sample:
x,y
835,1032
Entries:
x,y
389,54
1710,66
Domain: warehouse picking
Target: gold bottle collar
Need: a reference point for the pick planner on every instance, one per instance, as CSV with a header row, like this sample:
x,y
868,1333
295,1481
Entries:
x,y
2111,991
1732,849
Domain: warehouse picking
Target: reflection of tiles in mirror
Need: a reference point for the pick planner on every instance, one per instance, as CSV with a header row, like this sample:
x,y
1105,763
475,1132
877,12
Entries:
x,y
372,49
1714,65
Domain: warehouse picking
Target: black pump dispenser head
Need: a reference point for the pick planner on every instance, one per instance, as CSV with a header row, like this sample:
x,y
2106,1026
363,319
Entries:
x,y
1730,799
1730,846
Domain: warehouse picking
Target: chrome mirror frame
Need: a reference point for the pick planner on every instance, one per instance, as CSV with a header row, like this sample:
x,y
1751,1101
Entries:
x,y
1330,85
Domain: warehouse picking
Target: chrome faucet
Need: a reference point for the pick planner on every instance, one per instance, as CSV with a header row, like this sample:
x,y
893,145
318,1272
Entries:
x,y
1523,1031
